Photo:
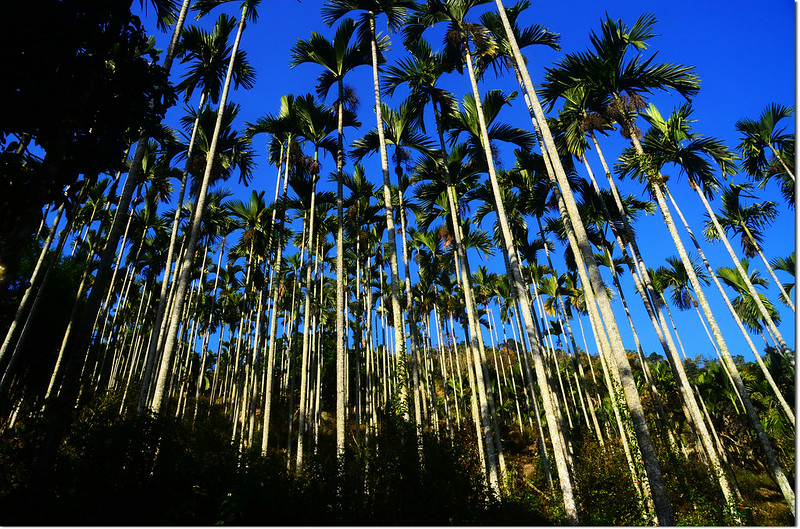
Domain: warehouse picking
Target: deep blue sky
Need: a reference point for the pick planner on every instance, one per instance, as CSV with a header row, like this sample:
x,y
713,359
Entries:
x,y
743,53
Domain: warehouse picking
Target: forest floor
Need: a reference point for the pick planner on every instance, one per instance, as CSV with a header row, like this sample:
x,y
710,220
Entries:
x,y
106,474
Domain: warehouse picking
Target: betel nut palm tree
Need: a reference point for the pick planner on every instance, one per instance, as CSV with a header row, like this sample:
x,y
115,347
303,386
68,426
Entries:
x,y
748,222
82,339
401,130
209,54
619,84
421,73
248,11
338,58
672,141
284,127
592,284
395,11
615,82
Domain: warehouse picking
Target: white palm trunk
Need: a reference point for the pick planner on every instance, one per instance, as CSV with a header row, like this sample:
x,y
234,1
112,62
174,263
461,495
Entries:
x,y
183,280
341,336
750,288
273,323
771,272
33,283
670,352
483,425
163,297
518,290
766,446
415,346
397,313
307,324
784,405
656,481
783,164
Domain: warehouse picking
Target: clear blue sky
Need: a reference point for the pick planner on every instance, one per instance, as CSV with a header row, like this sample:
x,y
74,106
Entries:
x,y
743,52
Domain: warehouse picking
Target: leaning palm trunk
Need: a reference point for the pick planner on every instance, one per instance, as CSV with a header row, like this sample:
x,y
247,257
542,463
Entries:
x,y
482,421
30,313
771,271
645,368
33,282
412,320
519,293
656,481
784,405
781,160
766,446
671,353
303,412
613,377
641,278
186,265
696,420
613,384
163,297
63,351
745,277
81,342
694,415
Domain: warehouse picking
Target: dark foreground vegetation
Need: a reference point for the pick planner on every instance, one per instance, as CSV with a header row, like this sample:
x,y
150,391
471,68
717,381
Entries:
x,y
113,471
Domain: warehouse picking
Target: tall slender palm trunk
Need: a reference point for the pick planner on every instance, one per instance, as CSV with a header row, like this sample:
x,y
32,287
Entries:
x,y
32,288
412,320
656,481
519,292
693,412
766,446
397,312
273,322
770,380
186,265
307,324
481,414
671,353
163,296
745,277
341,336
771,271
83,337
